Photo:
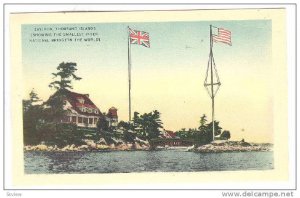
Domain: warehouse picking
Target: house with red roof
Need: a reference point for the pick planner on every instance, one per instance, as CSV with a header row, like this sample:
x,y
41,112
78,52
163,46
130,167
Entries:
x,y
83,112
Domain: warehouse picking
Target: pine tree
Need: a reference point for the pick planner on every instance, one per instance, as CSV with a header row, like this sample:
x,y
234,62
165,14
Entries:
x,y
225,135
32,114
66,74
203,121
54,131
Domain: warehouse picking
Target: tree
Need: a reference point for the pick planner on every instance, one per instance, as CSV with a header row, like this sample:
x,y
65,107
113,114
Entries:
x,y
32,115
66,74
151,124
128,129
102,124
155,124
225,135
182,133
33,99
51,128
203,121
147,125
203,137
55,107
103,130
218,129
136,125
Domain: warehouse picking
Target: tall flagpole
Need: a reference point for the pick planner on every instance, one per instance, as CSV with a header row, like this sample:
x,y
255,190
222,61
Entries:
x,y
225,37
129,75
212,85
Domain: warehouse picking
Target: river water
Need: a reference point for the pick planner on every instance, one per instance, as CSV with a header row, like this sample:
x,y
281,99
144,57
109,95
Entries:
x,y
37,162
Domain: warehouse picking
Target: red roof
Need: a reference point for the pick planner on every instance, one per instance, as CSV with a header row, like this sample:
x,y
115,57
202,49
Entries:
x,y
171,133
72,98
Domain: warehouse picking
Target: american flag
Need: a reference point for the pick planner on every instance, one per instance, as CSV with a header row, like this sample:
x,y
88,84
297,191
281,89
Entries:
x,y
223,36
139,37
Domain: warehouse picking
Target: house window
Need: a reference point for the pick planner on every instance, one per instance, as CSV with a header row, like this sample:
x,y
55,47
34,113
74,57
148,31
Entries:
x,y
89,110
83,109
95,120
90,120
96,112
85,120
79,119
74,119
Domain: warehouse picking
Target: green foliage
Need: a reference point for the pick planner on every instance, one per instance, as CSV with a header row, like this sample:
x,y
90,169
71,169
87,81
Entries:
x,y
129,136
203,121
55,111
129,132
32,114
218,129
202,135
104,131
102,124
42,123
126,125
66,75
66,133
60,134
147,125
183,134
225,135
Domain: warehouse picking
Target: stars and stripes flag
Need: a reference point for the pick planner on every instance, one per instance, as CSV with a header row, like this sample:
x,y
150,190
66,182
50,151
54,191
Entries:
x,y
223,36
139,37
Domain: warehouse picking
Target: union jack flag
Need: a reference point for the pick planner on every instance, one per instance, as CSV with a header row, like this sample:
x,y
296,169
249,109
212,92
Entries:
x,y
223,36
139,37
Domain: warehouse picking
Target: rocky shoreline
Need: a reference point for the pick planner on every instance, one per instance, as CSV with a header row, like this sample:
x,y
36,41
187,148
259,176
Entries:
x,y
90,145
214,147
232,146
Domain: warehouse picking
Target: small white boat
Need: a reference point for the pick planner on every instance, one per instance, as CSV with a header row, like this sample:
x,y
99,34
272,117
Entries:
x,y
178,148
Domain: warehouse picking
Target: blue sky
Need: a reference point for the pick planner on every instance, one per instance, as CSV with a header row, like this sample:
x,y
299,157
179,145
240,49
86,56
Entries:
x,y
189,40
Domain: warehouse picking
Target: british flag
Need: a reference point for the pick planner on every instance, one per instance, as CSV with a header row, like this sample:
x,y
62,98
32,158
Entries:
x,y
139,37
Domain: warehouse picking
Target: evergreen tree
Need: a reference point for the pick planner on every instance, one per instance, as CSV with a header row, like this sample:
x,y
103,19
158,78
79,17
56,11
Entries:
x,y
129,132
218,129
203,121
148,125
104,131
102,124
32,115
225,135
53,130
66,72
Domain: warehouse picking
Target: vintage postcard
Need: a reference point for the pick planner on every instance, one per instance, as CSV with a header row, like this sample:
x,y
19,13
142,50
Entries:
x,y
166,95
